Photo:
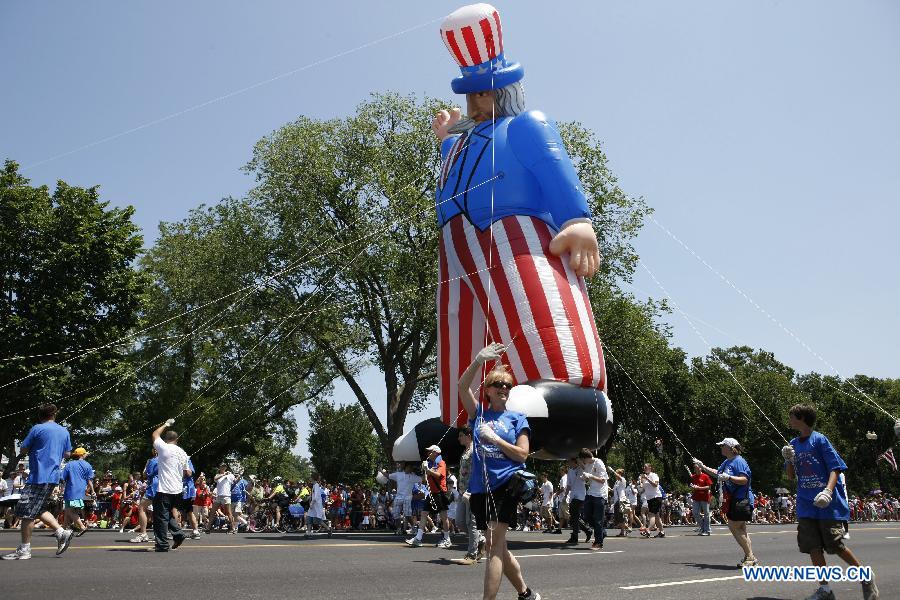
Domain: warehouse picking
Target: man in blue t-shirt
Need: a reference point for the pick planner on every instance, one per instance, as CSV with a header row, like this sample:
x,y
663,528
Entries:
x,y
151,480
46,444
821,513
78,476
189,492
238,500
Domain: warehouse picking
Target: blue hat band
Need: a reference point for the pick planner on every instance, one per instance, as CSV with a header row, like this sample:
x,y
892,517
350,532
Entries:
x,y
490,75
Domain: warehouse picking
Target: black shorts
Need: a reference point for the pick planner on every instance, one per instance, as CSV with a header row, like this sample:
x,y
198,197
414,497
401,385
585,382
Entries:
x,y
740,510
494,507
438,501
186,506
653,505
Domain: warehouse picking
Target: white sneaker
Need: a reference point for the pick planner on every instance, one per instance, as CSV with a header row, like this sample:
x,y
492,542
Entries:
x,y
63,541
19,554
140,538
414,542
444,544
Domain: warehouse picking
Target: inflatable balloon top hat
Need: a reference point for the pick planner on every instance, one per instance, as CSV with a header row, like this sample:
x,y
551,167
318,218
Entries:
x,y
474,38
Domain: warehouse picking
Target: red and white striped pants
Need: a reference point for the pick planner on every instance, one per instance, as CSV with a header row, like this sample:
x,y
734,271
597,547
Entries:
x,y
531,300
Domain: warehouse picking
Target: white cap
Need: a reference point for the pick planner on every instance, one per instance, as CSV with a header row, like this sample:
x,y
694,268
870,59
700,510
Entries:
x,y
730,442
434,448
118,488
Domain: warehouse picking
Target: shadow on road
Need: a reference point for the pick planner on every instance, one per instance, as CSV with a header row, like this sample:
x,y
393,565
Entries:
x,y
709,566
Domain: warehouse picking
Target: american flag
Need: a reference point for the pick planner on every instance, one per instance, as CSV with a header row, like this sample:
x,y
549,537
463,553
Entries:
x,y
888,457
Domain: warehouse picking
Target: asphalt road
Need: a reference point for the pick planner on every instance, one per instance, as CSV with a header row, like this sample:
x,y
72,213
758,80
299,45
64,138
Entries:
x,y
102,565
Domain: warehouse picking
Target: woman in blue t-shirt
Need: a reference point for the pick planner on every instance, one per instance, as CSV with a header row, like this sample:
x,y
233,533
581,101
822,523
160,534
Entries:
x,y
501,445
734,476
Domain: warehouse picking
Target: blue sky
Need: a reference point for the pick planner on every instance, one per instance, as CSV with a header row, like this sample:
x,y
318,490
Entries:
x,y
765,134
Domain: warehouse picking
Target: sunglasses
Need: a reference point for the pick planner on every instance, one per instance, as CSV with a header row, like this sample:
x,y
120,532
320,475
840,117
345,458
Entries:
x,y
501,385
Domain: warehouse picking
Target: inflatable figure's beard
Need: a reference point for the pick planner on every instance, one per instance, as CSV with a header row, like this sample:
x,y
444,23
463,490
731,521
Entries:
x,y
509,103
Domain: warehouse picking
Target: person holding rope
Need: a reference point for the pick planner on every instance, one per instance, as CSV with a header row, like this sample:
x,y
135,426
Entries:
x,y
734,476
701,485
653,497
78,476
501,447
594,475
821,513
173,467
151,472
46,445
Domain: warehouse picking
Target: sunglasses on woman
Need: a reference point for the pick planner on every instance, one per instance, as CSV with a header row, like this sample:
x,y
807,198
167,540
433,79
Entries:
x,y
501,385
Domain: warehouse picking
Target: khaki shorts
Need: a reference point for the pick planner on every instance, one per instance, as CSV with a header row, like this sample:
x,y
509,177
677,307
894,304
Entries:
x,y
820,534
564,511
222,501
201,511
546,511
238,508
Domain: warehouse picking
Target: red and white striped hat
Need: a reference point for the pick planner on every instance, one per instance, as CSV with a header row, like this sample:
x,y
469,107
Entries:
x,y
474,38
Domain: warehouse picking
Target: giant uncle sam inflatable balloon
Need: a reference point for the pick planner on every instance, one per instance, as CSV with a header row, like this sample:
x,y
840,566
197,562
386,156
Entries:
x,y
516,242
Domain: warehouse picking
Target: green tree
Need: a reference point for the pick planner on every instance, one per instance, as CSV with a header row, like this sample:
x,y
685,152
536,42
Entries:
x,y
359,192
343,445
67,284
222,353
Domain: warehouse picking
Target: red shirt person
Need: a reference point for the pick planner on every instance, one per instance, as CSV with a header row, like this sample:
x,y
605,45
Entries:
x,y
701,486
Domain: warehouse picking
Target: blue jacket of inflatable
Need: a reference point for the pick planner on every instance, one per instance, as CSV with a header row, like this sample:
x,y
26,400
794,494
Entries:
x,y
533,174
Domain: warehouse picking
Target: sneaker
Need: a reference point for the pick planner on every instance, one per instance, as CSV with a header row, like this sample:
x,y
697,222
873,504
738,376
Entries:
x,y
139,539
530,595
588,536
195,535
63,541
444,544
177,541
661,534
596,546
821,594
572,541
870,590
468,559
232,532
748,562
81,532
645,533
19,554
481,547
414,542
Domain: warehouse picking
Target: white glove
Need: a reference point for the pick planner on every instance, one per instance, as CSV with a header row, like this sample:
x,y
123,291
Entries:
x,y
170,422
723,477
424,467
487,435
823,498
897,429
788,453
490,352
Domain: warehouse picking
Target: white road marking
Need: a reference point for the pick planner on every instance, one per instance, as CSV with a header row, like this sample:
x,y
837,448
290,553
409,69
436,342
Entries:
x,y
670,583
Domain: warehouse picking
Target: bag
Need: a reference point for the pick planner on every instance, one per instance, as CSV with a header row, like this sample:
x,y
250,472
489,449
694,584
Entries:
x,y
523,486
741,510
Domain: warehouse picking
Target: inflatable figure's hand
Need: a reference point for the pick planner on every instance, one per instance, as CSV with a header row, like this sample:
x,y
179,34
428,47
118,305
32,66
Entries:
x,y
579,240
443,121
